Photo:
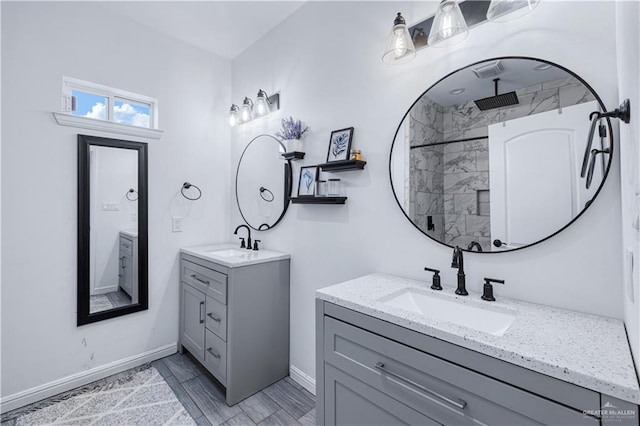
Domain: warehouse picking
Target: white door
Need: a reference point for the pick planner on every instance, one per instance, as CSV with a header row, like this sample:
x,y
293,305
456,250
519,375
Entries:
x,y
534,173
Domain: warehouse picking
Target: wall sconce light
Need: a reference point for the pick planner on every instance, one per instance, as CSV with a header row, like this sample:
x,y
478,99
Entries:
x,y
400,48
246,110
507,10
449,26
264,104
234,117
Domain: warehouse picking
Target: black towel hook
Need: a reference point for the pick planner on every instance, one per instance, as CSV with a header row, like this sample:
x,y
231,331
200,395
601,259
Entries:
x,y
188,185
132,191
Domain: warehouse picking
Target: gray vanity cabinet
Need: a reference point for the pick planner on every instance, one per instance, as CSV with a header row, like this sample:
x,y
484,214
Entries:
x,y
235,322
373,372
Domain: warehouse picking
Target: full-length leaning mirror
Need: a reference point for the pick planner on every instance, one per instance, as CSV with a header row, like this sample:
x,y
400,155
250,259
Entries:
x,y
112,228
501,154
263,183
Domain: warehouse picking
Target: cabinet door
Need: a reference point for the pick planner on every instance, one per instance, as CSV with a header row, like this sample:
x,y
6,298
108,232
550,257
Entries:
x,y
349,401
193,320
127,274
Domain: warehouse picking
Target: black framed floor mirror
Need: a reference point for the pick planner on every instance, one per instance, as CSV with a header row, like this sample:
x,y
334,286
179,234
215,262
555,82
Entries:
x,y
112,228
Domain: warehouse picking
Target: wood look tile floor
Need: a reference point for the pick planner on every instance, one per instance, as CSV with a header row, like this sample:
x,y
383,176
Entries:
x,y
283,403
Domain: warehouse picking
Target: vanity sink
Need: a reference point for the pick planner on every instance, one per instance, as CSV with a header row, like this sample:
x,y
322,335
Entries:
x,y
490,320
228,252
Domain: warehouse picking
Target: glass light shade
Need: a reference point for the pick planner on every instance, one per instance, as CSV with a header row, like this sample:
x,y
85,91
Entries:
x,y
262,105
507,10
234,119
400,48
245,110
449,26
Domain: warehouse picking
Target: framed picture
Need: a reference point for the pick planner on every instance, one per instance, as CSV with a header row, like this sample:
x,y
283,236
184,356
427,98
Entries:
x,y
307,181
340,145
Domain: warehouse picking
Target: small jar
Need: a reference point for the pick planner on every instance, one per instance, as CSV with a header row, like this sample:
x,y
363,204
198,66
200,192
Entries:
x,y
321,188
334,188
356,154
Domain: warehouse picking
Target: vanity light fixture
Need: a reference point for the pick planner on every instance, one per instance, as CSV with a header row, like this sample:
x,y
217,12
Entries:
x,y
234,117
246,110
400,48
508,10
449,26
266,104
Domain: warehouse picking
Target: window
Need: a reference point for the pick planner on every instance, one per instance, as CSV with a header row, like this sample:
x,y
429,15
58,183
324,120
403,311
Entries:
x,y
91,100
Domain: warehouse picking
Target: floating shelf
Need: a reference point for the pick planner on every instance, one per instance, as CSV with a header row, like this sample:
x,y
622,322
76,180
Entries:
x,y
293,155
337,166
318,200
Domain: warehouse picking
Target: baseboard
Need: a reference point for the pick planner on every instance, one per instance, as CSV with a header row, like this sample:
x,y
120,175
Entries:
x,y
47,390
307,382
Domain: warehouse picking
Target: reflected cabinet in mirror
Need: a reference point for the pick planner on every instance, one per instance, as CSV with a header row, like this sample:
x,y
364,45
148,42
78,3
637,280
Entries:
x,y
500,155
263,183
112,228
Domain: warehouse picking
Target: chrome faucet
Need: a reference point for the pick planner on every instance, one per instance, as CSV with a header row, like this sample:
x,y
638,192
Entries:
x,y
248,236
458,262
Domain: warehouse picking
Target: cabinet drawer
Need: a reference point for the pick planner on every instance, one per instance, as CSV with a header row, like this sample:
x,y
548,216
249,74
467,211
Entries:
x,y
207,280
217,317
442,391
126,247
215,355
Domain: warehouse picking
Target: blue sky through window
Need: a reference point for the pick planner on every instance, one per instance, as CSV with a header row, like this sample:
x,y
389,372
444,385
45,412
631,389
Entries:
x,y
95,106
90,105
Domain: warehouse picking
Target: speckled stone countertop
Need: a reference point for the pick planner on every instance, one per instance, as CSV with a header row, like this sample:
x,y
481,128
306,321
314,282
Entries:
x,y
231,256
583,349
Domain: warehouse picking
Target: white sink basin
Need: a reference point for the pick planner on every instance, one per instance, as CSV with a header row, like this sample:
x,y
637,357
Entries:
x,y
228,252
490,320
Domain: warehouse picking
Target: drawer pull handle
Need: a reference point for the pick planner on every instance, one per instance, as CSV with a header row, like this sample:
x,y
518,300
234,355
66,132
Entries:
x,y
210,315
201,316
195,277
460,404
215,355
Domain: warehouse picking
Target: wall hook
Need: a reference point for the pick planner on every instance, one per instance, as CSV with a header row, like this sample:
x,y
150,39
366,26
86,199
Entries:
x,y
188,185
130,195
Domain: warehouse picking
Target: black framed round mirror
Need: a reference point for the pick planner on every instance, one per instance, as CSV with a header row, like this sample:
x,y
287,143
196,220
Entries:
x,y
263,183
501,154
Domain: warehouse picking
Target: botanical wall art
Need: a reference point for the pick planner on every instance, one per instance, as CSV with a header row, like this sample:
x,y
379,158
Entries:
x,y
340,145
307,181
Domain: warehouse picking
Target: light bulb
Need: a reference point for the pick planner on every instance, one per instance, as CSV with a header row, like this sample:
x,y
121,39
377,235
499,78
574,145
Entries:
x,y
449,26
508,10
233,115
245,111
401,47
262,105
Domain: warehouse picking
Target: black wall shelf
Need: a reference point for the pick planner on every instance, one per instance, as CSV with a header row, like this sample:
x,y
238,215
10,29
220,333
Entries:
x,y
338,166
318,200
293,155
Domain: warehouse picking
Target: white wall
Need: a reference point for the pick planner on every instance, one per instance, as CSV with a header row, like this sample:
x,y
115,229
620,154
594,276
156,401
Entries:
x,y
41,42
325,60
628,52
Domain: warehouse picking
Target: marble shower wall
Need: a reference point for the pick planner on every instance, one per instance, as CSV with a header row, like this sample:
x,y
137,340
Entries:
x,y
427,180
451,182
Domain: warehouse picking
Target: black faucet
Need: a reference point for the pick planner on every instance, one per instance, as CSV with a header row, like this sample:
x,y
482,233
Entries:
x,y
475,244
458,262
248,235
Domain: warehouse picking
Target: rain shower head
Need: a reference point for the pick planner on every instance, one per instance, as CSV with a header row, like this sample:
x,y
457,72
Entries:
x,y
497,101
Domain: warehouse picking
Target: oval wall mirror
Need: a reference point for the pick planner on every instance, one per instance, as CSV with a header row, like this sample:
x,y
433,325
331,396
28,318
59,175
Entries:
x,y
263,183
500,155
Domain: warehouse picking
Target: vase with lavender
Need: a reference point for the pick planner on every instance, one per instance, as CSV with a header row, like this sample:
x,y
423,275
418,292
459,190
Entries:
x,y
291,134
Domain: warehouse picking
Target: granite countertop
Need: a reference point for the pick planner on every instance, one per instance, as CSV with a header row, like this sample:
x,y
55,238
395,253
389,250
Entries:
x,y
232,256
583,349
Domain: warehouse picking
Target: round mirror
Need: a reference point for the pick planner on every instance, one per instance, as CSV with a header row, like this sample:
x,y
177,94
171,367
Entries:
x,y
501,154
263,183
